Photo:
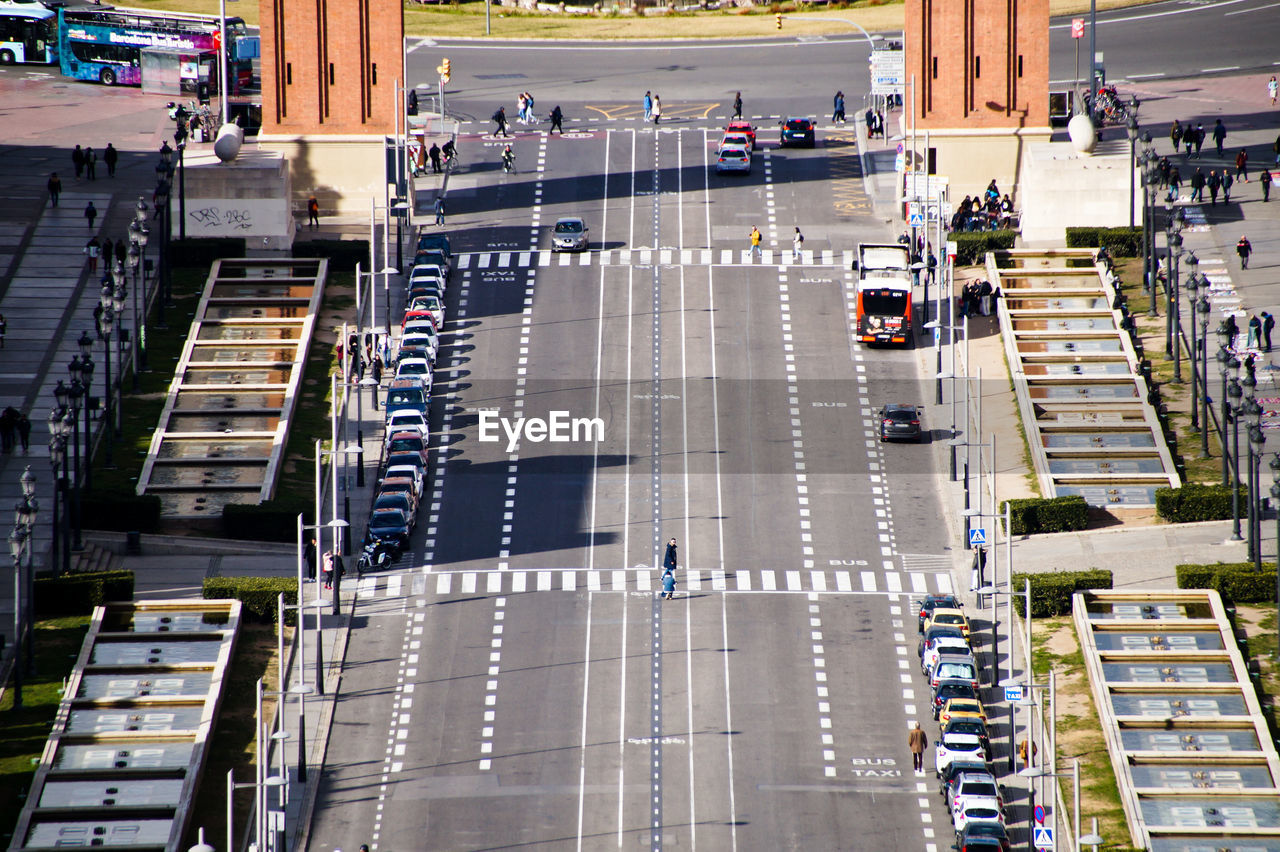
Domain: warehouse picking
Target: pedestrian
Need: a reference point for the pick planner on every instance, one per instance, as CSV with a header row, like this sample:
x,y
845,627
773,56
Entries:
x,y
110,156
377,368
1199,140
122,252
917,742
90,164
411,105
309,554
500,122
55,189
92,250
1175,183
528,108
1244,248
797,244
1265,180
1022,750
313,212
657,109
439,208
668,584
1242,165
737,105
837,108
557,116
1227,180
8,428
1175,135
755,242
671,559
521,106
326,569
869,118
1268,323
648,106
90,213
1272,89
1232,330
985,292
24,432
1197,186
1219,136
77,160
1255,332
434,154
1189,138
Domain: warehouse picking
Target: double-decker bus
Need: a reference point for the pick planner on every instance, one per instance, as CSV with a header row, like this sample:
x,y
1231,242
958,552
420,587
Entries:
x,y
28,34
884,294
106,45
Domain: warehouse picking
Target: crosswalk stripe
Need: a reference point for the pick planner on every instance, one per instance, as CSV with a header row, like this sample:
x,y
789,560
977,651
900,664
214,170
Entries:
x,y
518,582
717,581
494,584
726,256
523,259
686,257
744,581
544,258
944,583
570,580
393,585
793,581
564,260
868,581
483,260
819,580
464,260
644,581
843,582
918,584
366,586
544,581
893,581
442,583
693,579
619,581
624,257
593,581
469,583
768,581
585,259
504,259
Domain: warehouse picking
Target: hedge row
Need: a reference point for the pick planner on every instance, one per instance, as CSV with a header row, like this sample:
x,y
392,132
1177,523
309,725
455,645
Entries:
x,y
343,255
1051,593
1046,515
971,247
257,596
120,512
78,594
1194,502
201,253
273,520
1120,242
1237,582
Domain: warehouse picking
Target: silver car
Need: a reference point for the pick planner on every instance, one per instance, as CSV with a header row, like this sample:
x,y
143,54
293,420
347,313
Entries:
x,y
734,158
569,234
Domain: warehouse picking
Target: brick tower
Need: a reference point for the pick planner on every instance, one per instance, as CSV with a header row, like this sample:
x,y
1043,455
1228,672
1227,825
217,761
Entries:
x,y
981,71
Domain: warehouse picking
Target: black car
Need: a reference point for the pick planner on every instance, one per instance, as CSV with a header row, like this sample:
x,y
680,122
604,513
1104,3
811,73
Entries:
x,y
798,132
389,525
900,422
965,725
396,500
932,602
438,242
951,688
983,835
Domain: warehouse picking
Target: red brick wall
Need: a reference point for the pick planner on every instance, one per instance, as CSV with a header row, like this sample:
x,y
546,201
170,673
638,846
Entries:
x,y
978,63
330,66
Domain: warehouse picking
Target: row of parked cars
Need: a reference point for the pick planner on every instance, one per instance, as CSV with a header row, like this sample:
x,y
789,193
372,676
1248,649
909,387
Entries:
x,y
404,478
736,147
962,752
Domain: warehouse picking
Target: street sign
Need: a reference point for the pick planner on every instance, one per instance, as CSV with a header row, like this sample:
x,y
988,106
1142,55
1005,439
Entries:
x,y
952,249
977,537
1077,27
1013,693
1038,813
1043,837
916,220
888,72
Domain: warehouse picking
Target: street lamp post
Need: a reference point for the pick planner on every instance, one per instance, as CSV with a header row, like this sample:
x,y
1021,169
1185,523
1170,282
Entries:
x,y
17,542
1173,314
1202,317
1257,443
1234,412
1274,464
57,458
85,342
1131,129
1193,282
119,300
25,513
1227,364
106,325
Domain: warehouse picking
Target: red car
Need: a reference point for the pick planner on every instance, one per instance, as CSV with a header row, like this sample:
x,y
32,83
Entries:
x,y
745,128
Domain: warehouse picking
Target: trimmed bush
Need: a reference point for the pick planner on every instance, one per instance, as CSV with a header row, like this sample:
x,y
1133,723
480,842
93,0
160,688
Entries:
x,y
120,512
78,594
343,255
972,247
1194,502
1051,593
1045,515
1237,582
1120,242
201,253
274,520
257,596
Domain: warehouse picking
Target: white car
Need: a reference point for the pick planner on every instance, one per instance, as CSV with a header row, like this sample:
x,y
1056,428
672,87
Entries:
x,y
734,140
977,810
410,472
429,271
425,345
429,303
734,159
417,369
953,746
407,420
943,645
969,786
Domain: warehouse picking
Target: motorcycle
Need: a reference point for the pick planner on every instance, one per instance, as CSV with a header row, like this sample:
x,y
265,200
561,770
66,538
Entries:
x,y
377,555
508,161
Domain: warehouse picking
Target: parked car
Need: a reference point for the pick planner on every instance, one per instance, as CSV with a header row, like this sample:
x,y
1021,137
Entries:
x,y
900,422
973,785
401,485
983,836
951,746
435,241
408,394
734,140
953,667
953,617
416,369
570,233
390,524
411,473
979,810
957,767
407,442
797,131
927,605
408,420
943,645
397,500
932,634
412,460
433,305
433,256
970,725
961,707
948,690
745,128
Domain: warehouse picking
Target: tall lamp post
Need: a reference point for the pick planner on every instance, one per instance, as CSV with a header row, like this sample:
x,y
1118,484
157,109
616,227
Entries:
x,y
106,325
1227,365
1274,464
57,458
85,342
139,235
1257,444
1173,314
1234,412
18,541
1192,283
25,513
1131,129
1202,317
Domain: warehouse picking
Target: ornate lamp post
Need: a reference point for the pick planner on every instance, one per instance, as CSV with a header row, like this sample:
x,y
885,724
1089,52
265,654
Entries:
x,y
1257,443
1202,317
25,513
1234,412
75,396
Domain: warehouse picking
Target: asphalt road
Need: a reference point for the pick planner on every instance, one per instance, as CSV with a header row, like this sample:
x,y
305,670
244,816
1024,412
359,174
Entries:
x,y
524,687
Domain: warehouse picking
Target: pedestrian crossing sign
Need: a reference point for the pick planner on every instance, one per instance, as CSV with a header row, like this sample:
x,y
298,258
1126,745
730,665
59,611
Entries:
x,y
1043,837
916,220
977,537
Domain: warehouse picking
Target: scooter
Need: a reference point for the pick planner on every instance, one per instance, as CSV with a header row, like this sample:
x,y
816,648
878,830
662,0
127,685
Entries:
x,y
377,555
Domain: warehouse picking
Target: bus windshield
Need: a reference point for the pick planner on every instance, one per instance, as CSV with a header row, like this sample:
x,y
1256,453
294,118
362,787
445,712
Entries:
x,y
28,36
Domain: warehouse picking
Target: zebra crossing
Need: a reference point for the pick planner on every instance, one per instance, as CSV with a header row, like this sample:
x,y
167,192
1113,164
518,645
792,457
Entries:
x,y
497,260
444,583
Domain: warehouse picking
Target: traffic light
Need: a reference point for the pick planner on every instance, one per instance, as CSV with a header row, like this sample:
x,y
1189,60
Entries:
x,y
444,70
779,18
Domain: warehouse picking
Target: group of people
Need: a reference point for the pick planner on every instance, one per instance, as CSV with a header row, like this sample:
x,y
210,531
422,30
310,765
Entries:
x,y
653,107
15,428
986,212
108,251
85,161
978,297
329,563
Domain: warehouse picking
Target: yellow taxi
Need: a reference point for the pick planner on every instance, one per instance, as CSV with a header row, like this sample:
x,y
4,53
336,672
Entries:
x,y
950,617
961,708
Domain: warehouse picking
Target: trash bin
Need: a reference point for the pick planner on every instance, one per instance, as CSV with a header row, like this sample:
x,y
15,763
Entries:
x,y
133,543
